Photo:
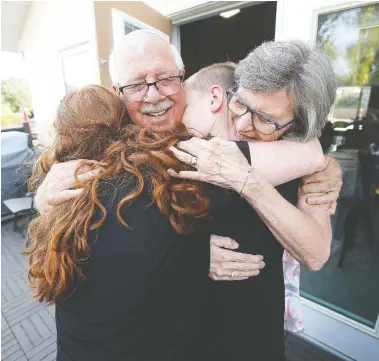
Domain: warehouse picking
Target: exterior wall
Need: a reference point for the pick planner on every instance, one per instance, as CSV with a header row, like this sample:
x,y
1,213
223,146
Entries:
x,y
50,27
103,21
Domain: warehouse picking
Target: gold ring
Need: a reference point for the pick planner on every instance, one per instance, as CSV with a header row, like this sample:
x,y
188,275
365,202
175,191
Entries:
x,y
193,161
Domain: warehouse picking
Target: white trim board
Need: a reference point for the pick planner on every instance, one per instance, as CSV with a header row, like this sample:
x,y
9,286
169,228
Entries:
x,y
207,10
338,334
119,19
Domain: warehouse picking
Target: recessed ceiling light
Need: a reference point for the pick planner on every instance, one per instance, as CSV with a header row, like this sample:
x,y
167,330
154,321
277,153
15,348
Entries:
x,y
229,14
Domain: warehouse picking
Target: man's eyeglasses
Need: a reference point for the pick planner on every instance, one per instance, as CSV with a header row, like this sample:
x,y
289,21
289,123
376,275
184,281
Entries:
x,y
138,92
263,123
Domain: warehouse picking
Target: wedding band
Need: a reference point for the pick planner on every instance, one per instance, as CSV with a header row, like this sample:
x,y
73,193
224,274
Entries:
x,y
193,161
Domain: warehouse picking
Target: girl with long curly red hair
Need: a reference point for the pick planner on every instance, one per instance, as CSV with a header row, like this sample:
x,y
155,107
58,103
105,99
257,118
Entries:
x,y
116,262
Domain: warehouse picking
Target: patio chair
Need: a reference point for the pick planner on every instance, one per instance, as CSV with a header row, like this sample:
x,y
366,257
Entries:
x,y
21,207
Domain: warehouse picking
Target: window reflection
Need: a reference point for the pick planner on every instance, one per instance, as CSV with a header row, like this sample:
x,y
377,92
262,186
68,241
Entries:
x,y
349,282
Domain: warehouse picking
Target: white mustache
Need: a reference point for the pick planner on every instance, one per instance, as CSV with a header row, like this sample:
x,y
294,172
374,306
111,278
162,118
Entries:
x,y
156,108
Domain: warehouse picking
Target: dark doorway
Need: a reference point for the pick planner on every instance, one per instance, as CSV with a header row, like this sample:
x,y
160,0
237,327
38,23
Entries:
x,y
216,39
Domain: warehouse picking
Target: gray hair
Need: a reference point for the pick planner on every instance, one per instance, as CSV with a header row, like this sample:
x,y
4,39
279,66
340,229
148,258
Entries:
x,y
137,42
216,74
305,73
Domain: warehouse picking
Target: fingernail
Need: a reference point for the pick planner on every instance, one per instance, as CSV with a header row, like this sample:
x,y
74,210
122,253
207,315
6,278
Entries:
x,y
263,264
171,172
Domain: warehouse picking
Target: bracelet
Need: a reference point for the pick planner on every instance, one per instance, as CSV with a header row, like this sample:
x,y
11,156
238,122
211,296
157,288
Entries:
x,y
245,182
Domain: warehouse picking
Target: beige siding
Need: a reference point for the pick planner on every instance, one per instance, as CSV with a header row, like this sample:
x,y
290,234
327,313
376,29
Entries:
x,y
103,20
50,27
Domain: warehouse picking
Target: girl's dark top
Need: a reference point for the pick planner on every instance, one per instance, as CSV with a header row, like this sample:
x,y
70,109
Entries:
x,y
245,319
145,293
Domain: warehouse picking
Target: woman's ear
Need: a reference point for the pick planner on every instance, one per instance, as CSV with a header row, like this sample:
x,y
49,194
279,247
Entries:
x,y
217,99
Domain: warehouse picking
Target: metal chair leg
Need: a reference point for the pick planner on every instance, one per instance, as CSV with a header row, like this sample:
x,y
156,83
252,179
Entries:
x,y
15,223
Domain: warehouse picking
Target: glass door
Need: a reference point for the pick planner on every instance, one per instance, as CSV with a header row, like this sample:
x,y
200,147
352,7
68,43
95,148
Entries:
x,y
349,283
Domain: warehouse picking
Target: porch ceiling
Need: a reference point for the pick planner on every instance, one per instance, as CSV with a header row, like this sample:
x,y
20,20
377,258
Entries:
x,y
13,17
167,8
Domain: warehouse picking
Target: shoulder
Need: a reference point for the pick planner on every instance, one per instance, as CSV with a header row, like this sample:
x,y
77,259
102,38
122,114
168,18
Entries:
x,y
112,191
140,213
135,209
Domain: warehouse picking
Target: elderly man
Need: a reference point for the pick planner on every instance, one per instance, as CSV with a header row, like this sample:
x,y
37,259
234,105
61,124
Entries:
x,y
147,74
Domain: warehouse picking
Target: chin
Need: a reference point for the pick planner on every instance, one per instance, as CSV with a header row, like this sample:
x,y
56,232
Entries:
x,y
164,126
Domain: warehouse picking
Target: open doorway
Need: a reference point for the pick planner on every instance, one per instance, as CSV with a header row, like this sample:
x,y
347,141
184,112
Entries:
x,y
218,39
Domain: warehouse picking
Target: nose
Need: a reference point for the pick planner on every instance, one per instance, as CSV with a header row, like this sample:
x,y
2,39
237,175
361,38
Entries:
x,y
153,95
244,124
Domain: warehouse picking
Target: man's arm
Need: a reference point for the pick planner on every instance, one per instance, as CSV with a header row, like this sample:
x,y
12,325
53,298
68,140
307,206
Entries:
x,y
327,182
282,161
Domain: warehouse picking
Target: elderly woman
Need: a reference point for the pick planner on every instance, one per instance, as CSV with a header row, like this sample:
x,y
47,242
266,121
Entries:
x,y
285,90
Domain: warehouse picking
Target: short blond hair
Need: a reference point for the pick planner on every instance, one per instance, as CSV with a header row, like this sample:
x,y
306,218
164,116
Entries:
x,y
216,74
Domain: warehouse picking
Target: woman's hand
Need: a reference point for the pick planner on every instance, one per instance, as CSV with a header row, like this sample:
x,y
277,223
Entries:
x,y
217,161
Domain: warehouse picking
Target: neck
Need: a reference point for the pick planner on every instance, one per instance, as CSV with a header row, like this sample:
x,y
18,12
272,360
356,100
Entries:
x,y
220,126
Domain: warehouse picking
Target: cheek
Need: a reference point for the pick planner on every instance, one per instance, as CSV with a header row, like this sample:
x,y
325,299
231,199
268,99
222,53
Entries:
x,y
186,118
134,111
279,134
191,119
179,104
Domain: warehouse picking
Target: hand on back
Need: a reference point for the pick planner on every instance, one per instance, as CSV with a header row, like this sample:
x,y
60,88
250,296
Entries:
x,y
58,186
229,265
324,186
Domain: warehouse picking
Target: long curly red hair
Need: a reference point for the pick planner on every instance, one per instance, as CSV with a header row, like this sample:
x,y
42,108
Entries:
x,y
92,124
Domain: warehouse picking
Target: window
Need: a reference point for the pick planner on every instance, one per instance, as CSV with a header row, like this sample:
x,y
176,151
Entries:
x,y
77,67
348,283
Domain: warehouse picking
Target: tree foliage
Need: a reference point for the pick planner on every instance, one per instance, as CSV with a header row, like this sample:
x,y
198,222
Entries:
x,y
15,93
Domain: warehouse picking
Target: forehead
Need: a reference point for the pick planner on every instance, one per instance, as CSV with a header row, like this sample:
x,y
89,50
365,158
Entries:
x,y
157,62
